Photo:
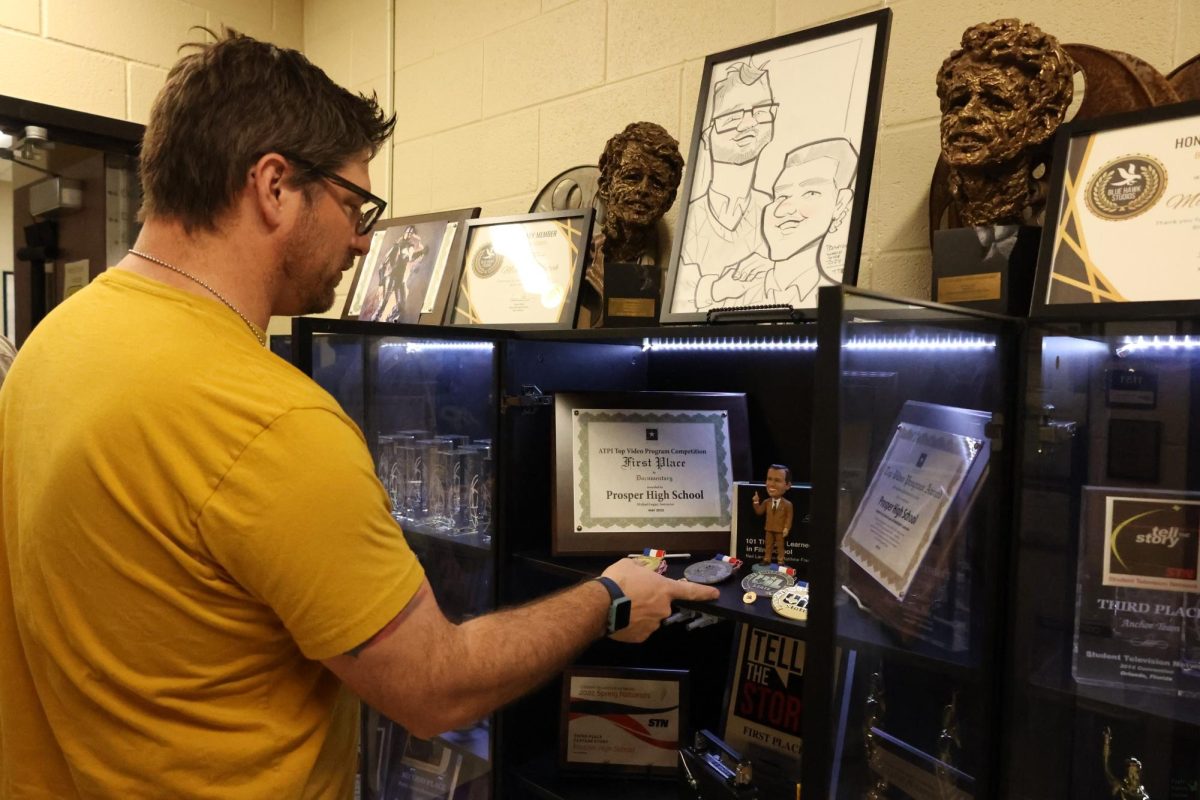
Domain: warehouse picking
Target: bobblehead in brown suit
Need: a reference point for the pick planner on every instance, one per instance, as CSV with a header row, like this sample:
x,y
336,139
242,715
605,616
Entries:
x,y
778,511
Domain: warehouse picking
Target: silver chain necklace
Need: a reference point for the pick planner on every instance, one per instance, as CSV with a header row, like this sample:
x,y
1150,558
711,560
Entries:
x,y
262,339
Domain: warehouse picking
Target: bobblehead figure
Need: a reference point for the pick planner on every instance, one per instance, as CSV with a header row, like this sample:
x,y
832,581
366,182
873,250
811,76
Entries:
x,y
778,511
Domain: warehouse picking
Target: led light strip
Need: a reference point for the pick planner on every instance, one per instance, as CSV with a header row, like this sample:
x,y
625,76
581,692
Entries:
x,y
943,344
895,343
424,347
1142,344
728,343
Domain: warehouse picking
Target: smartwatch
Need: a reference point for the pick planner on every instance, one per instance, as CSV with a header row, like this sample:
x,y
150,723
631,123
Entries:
x,y
619,608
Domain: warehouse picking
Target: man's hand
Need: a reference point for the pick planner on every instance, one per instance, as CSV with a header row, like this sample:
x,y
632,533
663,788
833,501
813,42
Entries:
x,y
755,499
651,595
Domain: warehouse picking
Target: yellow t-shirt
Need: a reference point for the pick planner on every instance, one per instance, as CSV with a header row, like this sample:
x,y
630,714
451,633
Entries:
x,y
187,524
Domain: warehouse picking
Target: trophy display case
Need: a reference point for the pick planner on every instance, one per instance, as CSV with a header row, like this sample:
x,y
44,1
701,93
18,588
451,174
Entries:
x,y
425,401
759,378
914,438
842,401
1104,664
406,385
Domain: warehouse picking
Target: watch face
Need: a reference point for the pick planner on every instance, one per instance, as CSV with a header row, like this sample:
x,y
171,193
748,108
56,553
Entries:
x,y
619,614
765,584
710,571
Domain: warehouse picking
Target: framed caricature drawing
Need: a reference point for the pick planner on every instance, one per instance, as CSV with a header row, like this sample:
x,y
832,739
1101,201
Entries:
x,y
408,273
775,194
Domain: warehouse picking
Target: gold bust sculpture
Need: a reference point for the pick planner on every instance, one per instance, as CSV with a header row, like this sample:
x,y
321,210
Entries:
x,y
1003,94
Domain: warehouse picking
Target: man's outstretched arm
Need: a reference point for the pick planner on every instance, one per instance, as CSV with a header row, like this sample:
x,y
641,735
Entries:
x,y
432,676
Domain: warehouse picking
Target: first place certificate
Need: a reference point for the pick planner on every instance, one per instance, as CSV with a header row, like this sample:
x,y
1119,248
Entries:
x,y
651,470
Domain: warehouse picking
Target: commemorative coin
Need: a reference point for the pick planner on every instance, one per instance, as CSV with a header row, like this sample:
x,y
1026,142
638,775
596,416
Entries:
x,y
765,584
791,602
708,571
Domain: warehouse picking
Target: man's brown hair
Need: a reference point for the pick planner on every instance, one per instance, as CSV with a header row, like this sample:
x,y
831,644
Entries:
x,y
229,103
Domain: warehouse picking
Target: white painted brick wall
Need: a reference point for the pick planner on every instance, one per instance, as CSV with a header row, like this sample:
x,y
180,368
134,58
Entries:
x,y
110,57
577,71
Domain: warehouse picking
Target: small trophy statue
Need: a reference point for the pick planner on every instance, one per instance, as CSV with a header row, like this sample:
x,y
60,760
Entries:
x,y
1129,787
875,711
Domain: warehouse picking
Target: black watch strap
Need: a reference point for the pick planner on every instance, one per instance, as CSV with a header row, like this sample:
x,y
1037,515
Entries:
x,y
619,605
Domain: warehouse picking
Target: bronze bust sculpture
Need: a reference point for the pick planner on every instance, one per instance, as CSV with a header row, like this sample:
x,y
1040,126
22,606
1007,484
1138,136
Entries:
x,y
1003,95
640,170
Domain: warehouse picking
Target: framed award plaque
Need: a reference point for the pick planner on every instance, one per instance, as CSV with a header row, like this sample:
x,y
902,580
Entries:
x,y
623,720
523,272
647,469
1122,217
408,273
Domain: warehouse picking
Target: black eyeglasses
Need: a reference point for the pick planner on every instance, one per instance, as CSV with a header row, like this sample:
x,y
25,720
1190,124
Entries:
x,y
372,207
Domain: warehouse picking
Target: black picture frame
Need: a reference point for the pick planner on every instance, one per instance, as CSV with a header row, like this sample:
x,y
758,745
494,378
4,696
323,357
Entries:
x,y
621,696
481,263
1061,253
809,136
437,270
621,539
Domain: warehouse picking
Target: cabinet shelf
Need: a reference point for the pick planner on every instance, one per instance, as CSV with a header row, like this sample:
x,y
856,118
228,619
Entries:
x,y
541,779
728,606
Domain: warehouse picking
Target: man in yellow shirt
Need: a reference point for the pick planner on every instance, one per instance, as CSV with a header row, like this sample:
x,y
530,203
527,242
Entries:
x,y
196,560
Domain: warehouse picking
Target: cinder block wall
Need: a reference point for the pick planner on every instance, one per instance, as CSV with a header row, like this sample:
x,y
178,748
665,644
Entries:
x,y
495,97
110,57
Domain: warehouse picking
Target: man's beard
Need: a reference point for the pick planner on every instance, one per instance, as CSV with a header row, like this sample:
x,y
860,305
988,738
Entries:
x,y
314,290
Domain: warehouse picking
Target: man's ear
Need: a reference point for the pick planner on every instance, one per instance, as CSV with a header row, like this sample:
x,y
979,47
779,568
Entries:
x,y
267,183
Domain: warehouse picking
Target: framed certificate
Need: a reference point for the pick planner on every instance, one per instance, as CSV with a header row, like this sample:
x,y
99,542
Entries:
x,y
646,469
1122,217
408,273
623,720
908,542
523,272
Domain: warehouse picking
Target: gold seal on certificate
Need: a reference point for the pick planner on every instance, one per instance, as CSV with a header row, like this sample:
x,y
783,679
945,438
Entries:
x,y
522,272
486,262
1123,189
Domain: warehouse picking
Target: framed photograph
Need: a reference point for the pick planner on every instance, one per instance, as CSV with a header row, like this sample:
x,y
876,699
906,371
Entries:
x,y
523,272
623,720
646,469
1122,217
408,273
775,193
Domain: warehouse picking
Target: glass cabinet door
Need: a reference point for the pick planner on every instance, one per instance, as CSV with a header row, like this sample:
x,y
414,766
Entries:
x,y
426,402
912,441
1105,644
